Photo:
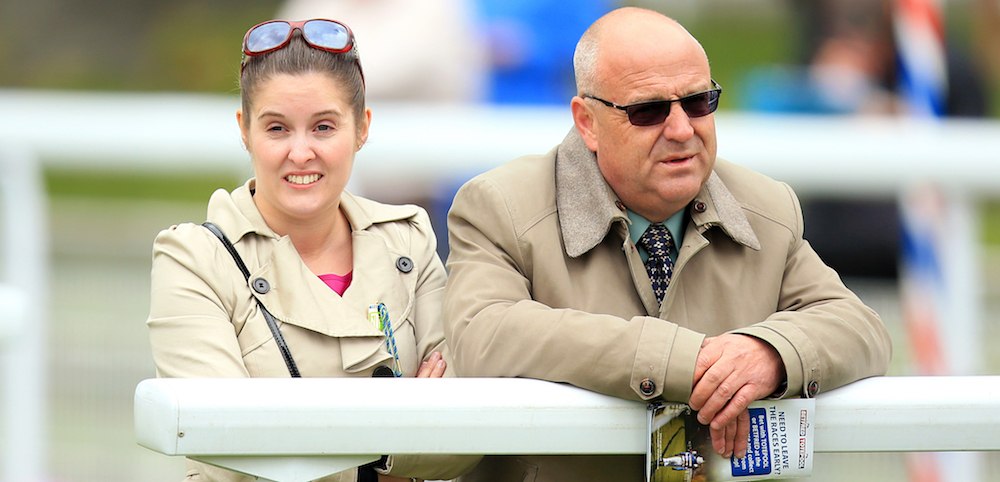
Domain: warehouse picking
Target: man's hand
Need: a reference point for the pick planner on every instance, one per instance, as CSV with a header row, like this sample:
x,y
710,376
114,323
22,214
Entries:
x,y
732,371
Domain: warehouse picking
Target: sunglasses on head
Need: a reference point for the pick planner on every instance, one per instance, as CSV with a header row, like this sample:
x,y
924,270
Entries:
x,y
654,112
327,35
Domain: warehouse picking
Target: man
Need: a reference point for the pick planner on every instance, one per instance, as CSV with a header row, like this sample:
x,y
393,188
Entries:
x,y
555,276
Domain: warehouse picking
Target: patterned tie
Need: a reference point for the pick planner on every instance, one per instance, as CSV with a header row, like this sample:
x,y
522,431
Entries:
x,y
658,243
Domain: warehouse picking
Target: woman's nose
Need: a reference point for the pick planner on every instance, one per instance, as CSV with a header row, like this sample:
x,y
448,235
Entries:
x,y
301,150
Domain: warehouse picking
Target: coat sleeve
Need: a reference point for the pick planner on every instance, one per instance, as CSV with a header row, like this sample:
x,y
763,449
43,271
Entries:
x,y
495,327
190,330
429,288
190,327
429,335
826,336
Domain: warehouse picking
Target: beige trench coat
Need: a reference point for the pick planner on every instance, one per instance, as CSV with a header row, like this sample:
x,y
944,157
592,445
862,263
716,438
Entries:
x,y
204,320
546,283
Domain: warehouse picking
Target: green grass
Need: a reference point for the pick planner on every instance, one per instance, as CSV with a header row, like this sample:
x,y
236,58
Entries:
x,y
990,217
125,186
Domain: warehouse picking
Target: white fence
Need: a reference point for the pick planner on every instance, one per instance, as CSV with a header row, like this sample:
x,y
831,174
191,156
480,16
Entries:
x,y
173,133
24,302
297,430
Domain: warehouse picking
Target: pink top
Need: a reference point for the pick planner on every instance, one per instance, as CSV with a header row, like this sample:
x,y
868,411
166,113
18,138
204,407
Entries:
x,y
336,282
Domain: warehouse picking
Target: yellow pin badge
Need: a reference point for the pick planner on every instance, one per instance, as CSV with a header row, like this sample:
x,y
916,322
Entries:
x,y
374,318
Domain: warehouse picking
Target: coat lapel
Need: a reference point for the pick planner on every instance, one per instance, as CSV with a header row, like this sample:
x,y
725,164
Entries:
x,y
298,297
586,203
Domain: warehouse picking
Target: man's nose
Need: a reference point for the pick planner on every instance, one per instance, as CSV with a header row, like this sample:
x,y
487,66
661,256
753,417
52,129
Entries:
x,y
677,126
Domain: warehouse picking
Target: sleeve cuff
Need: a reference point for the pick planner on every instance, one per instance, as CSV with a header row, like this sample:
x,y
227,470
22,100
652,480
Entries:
x,y
789,357
665,360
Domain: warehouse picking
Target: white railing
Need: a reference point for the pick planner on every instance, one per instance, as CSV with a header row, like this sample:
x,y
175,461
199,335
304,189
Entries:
x,y
409,143
197,132
290,430
23,311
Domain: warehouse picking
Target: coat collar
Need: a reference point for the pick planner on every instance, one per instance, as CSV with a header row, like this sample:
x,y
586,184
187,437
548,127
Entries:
x,y
588,207
300,298
237,214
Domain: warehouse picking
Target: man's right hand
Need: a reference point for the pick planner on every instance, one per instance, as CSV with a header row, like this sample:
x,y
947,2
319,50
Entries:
x,y
733,370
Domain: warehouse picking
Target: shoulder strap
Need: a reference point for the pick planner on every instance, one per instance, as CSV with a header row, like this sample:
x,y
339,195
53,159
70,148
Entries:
x,y
271,323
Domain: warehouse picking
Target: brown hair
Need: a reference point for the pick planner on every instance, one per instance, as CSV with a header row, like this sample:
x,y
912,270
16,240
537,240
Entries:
x,y
299,58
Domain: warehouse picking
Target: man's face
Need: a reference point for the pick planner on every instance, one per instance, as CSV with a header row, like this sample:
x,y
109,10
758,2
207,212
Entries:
x,y
656,170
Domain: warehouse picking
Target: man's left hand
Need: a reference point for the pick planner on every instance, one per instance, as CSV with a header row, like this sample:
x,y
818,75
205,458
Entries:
x,y
733,370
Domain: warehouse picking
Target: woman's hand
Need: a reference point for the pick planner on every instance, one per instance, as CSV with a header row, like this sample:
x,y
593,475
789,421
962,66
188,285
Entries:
x,y
432,367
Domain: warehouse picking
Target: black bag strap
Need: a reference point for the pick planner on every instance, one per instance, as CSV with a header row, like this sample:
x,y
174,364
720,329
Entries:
x,y
271,323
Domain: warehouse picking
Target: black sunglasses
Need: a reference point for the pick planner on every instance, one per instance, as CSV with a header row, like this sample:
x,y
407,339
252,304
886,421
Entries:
x,y
654,112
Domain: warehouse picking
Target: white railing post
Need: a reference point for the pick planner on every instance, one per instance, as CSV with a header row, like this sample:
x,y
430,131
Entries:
x,y
23,361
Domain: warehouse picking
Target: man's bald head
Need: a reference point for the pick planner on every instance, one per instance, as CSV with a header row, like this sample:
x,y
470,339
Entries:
x,y
624,31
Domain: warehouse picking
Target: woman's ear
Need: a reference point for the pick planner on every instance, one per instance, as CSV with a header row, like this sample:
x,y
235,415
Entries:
x,y
365,123
243,129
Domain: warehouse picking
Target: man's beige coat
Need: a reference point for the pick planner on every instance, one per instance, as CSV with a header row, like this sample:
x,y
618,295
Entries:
x,y
546,283
204,320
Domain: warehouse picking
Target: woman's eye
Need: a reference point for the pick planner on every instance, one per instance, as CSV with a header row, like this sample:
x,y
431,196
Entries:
x,y
275,129
324,127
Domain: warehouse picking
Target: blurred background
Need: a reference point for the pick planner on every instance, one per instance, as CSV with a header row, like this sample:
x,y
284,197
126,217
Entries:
x,y
842,58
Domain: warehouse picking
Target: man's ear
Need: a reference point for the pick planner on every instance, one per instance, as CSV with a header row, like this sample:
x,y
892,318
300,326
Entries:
x,y
586,125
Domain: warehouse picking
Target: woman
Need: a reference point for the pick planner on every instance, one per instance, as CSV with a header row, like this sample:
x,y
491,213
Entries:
x,y
354,286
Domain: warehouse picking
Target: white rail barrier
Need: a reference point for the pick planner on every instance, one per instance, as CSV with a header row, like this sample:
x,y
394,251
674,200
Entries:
x,y
198,132
23,312
295,430
193,133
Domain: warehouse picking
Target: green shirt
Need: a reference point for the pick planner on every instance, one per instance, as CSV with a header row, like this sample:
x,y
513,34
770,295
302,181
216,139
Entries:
x,y
674,224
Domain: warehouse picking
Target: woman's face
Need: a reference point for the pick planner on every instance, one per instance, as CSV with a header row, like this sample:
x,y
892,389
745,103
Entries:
x,y
302,138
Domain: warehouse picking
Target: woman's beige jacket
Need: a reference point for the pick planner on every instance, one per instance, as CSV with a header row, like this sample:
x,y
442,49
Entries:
x,y
204,320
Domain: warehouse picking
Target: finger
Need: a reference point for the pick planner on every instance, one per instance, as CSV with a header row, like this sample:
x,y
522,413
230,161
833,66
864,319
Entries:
x,y
708,386
439,368
718,440
428,366
736,406
742,434
424,371
707,357
722,439
717,400
730,436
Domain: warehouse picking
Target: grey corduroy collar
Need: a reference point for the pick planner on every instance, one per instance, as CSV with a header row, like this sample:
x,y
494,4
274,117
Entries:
x,y
588,207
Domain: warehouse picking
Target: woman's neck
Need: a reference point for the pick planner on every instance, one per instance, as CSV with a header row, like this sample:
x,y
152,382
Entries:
x,y
324,244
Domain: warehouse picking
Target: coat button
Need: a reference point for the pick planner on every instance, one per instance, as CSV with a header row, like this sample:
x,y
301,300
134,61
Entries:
x,y
699,207
261,285
647,387
812,389
382,371
404,264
